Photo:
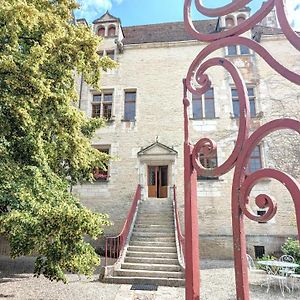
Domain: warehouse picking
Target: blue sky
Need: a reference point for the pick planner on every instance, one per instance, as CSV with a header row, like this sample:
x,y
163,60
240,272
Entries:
x,y
139,12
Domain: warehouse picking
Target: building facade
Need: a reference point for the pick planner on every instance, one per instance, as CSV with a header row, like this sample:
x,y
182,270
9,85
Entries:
x,y
142,102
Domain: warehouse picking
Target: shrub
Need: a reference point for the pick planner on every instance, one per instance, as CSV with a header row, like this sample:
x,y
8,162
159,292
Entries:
x,y
292,247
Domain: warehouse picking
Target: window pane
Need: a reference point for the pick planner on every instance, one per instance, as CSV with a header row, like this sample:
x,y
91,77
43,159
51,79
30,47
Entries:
x,y
234,93
111,31
252,108
101,31
107,110
209,108
232,50
250,92
240,20
130,96
209,93
236,108
108,98
129,113
255,160
244,50
197,107
96,110
96,98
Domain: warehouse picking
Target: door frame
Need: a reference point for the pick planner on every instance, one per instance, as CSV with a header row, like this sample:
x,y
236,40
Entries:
x,y
159,191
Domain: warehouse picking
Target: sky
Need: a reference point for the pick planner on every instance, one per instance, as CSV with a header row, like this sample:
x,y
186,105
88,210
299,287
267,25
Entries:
x,y
140,12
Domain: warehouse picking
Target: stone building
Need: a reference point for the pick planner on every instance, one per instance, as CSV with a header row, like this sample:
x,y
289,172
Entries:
x,y
142,101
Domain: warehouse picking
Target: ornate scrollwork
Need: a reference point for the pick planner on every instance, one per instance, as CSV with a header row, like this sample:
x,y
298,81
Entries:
x,y
198,82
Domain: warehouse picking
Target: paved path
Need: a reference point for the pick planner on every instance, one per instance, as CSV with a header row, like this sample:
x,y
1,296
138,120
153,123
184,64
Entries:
x,y
17,283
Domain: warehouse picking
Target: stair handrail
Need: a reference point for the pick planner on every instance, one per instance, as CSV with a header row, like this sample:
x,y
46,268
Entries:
x,y
180,236
114,245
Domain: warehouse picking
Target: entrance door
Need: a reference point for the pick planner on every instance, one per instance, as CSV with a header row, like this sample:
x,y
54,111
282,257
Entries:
x,y
158,181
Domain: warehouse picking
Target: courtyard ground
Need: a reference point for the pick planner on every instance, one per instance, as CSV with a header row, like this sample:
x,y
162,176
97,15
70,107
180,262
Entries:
x,y
217,280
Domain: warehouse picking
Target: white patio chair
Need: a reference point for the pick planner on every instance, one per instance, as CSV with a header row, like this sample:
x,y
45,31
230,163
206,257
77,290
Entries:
x,y
290,259
287,258
252,267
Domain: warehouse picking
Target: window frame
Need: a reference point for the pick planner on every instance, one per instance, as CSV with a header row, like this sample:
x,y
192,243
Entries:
x,y
104,31
115,31
102,104
238,51
129,101
203,105
235,102
102,175
255,157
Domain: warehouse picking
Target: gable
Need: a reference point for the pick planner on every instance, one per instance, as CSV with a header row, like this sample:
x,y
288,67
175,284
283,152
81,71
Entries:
x,y
157,149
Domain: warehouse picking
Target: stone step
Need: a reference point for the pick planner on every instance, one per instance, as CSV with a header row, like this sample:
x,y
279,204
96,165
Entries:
x,y
154,226
174,282
146,273
154,229
154,244
155,222
152,234
151,260
152,249
142,238
150,254
151,267
156,216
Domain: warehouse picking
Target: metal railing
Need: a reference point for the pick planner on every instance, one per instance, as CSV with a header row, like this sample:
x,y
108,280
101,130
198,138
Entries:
x,y
180,236
114,245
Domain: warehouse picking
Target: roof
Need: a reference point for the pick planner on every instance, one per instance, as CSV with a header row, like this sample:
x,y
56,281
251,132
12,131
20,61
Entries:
x,y
107,17
165,32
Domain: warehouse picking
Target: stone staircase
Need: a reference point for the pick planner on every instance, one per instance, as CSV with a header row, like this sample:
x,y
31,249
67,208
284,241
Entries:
x,y
151,255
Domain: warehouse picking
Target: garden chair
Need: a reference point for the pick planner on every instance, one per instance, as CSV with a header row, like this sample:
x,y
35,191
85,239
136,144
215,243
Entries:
x,y
252,267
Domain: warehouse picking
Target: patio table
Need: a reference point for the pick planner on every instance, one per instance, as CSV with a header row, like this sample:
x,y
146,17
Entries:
x,y
273,270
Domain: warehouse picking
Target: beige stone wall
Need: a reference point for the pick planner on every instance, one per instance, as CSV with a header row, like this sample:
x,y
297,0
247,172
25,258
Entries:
x,y
156,71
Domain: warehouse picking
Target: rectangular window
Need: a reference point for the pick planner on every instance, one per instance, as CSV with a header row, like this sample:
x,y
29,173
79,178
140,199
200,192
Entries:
x,y
237,50
102,173
102,105
232,50
197,107
236,102
107,105
255,160
209,163
244,50
259,251
130,106
204,107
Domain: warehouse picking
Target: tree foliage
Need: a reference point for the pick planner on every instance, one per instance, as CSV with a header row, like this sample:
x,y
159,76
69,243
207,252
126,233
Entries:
x,y
44,140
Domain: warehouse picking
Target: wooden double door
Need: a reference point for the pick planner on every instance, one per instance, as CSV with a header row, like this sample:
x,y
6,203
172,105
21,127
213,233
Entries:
x,y
158,181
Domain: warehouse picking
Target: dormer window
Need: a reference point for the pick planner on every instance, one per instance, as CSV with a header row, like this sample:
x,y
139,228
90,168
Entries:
x,y
111,30
240,19
229,22
101,31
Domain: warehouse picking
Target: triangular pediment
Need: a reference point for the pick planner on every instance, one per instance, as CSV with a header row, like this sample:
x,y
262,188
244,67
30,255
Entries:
x,y
107,17
157,148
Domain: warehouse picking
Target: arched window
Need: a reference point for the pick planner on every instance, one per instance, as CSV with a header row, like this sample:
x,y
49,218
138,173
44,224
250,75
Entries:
x,y
101,31
240,19
112,30
229,22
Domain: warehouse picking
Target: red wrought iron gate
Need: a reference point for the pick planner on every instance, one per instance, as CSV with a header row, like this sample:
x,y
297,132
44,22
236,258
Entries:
x,y
245,144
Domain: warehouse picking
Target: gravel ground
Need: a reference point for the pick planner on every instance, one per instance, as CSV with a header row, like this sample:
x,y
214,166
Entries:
x,y
217,282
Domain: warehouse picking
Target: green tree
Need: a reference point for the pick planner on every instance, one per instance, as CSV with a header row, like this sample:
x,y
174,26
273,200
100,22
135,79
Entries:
x,y
44,139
